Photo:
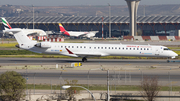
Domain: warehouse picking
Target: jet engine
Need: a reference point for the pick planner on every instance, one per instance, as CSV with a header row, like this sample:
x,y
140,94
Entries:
x,y
43,45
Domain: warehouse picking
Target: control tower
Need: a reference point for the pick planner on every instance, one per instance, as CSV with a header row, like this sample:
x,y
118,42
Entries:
x,y
133,6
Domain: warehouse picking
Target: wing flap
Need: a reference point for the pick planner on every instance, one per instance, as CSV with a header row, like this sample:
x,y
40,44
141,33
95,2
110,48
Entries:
x,y
90,54
85,54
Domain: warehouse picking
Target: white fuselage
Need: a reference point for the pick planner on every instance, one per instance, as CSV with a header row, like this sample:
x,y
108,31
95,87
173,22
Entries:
x,y
96,50
76,34
82,34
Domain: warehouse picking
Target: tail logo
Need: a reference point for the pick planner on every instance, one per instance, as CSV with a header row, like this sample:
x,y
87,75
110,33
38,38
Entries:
x,y
6,24
61,28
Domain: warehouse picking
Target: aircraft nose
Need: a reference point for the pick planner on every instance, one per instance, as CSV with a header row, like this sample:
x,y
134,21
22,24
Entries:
x,y
174,55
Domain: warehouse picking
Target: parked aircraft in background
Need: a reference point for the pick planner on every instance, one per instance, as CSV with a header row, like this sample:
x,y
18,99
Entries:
x,y
8,27
86,50
76,33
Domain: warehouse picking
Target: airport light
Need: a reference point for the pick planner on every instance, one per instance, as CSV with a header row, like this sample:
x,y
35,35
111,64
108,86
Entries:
x,y
68,86
102,28
33,15
107,85
109,20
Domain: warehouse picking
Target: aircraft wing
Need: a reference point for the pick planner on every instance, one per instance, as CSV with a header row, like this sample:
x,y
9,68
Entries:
x,y
88,54
85,54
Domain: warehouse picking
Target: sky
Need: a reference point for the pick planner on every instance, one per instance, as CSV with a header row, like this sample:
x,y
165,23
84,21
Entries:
x,y
83,2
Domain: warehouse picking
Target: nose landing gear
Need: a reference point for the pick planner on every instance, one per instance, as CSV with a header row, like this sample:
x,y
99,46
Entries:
x,y
84,59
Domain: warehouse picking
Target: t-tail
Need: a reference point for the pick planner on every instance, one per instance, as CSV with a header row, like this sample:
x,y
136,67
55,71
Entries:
x,y
21,37
6,24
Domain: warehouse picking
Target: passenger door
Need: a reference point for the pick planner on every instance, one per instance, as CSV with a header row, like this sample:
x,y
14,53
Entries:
x,y
158,51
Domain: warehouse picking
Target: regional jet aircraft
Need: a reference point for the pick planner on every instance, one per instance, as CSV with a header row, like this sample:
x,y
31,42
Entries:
x,y
86,50
75,33
7,26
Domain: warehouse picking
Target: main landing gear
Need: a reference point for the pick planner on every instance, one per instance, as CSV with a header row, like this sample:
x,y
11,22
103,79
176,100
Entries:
x,y
168,60
84,59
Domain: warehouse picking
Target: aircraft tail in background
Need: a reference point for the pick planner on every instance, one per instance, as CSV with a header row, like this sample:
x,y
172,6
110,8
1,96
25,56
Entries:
x,y
61,28
6,24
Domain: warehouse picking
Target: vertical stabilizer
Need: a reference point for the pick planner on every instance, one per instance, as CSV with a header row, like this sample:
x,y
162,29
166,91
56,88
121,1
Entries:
x,y
61,28
6,24
20,36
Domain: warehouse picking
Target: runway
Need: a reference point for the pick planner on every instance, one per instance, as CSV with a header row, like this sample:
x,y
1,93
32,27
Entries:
x,y
61,61
122,71
57,77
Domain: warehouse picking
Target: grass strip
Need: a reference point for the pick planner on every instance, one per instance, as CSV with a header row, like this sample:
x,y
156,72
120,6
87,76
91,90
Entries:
x,y
8,45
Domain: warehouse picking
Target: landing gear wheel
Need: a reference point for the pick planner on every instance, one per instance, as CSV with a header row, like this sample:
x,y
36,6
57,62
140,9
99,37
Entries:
x,y
84,59
168,60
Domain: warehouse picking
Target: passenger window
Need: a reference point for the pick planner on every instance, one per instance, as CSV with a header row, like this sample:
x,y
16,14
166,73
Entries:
x,y
137,48
69,47
112,47
144,48
84,46
115,47
105,47
89,47
126,48
65,46
72,46
94,47
101,47
119,48
77,46
141,48
109,48
123,48
147,48
134,48
98,47
61,46
80,46
130,48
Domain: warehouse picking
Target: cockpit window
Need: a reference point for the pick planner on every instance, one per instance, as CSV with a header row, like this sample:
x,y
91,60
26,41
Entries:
x,y
166,49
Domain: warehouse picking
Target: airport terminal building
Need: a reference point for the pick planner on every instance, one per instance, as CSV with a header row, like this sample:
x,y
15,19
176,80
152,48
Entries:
x,y
146,25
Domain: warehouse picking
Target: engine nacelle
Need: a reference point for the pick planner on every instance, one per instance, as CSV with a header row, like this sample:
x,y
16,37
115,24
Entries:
x,y
43,45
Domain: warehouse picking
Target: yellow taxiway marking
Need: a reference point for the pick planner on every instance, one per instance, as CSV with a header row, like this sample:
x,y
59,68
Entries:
x,y
173,82
63,70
